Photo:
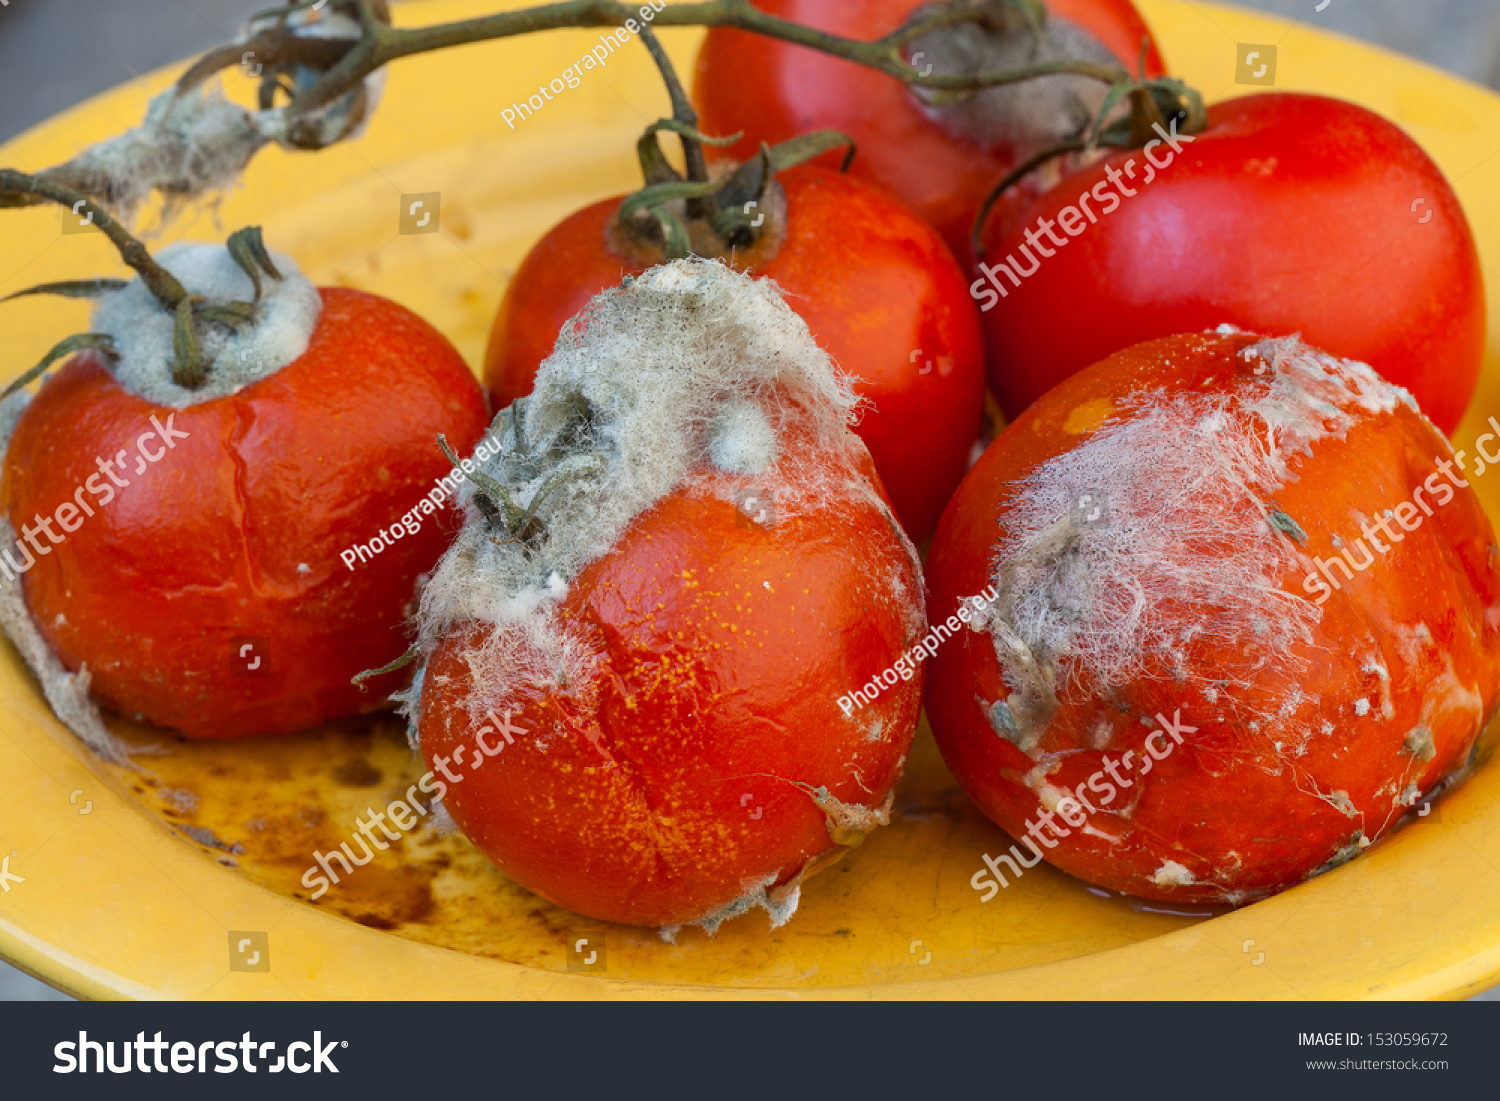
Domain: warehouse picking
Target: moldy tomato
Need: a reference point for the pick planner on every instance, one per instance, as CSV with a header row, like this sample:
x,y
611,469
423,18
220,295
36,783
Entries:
x,y
1247,615
634,653
876,286
311,433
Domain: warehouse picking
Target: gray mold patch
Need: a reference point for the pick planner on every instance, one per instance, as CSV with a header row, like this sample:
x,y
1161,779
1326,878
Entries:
x,y
690,370
1194,551
1029,114
287,315
67,693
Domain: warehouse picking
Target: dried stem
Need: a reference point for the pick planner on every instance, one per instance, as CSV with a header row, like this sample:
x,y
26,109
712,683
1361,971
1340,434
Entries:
x,y
20,189
382,43
682,107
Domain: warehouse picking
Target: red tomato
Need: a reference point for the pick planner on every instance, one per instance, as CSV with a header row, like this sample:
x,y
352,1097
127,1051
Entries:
x,y
644,710
1205,662
234,535
692,764
877,288
774,90
1289,214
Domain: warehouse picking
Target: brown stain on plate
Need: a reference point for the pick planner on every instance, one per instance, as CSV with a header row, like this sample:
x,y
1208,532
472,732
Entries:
x,y
261,807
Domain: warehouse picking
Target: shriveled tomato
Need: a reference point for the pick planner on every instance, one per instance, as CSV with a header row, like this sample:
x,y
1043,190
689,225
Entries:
x,y
201,577
1289,213
941,161
1246,615
878,289
637,699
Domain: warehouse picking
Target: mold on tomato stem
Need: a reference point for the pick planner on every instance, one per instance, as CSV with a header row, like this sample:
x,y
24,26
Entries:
x,y
195,143
1025,115
626,379
240,308
287,313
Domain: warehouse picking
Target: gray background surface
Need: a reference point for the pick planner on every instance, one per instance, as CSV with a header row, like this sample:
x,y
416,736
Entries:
x,y
54,53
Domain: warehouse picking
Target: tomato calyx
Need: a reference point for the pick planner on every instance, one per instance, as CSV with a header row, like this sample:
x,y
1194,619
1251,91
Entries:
x,y
498,508
189,369
987,22
740,213
736,212
1152,107
523,464
1004,75
494,501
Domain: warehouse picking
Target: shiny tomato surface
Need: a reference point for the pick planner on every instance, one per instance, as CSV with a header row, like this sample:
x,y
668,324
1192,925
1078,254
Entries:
x,y
234,535
712,753
1289,213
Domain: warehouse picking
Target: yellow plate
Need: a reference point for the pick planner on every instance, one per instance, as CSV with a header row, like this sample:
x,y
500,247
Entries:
x,y
144,884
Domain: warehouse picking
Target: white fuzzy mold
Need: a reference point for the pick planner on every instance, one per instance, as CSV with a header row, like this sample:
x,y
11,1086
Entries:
x,y
690,366
1181,542
288,313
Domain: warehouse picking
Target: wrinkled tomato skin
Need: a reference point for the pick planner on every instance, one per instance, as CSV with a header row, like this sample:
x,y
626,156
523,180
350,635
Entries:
x,y
683,770
236,532
1290,213
773,91
877,288
1225,802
